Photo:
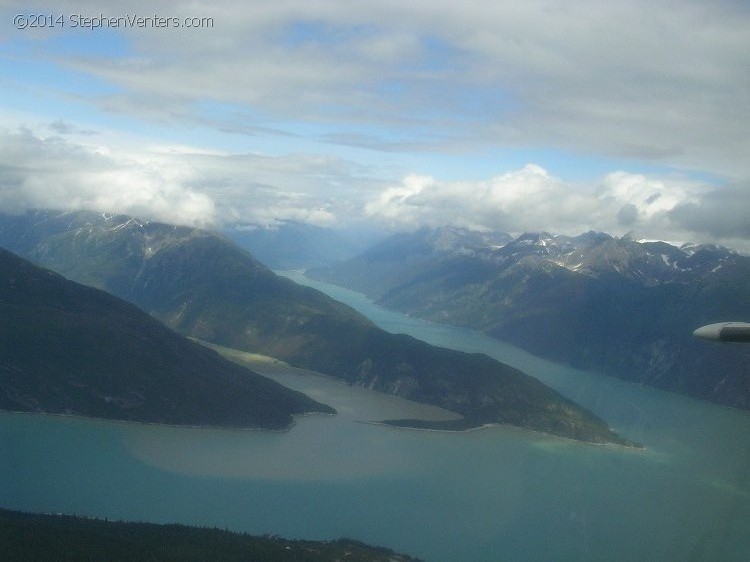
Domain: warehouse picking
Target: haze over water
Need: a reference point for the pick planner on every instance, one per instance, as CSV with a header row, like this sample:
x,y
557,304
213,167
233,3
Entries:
x,y
491,494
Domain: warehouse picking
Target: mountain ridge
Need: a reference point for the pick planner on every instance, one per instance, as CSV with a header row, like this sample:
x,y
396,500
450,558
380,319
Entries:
x,y
67,348
613,305
204,287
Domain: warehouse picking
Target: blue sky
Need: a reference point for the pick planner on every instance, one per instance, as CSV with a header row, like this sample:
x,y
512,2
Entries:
x,y
511,115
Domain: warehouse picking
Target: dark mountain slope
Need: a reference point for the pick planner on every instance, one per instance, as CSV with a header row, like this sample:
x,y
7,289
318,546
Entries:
x,y
237,303
616,306
68,348
65,538
203,286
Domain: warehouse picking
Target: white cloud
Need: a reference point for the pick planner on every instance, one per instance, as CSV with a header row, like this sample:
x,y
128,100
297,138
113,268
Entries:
x,y
55,173
405,84
189,185
399,205
526,199
530,199
174,183
660,81
651,197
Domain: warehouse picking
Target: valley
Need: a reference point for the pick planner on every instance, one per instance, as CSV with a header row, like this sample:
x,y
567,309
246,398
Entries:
x,y
510,491
203,286
466,282
612,305
484,495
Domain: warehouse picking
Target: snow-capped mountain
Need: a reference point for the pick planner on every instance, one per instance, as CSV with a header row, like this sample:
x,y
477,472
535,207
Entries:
x,y
613,305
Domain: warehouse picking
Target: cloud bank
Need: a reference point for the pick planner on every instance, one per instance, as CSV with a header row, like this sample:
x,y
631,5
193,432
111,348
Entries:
x,y
185,185
173,184
58,174
659,81
377,111
530,199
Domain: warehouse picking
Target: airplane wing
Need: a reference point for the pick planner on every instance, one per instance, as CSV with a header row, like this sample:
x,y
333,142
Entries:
x,y
725,332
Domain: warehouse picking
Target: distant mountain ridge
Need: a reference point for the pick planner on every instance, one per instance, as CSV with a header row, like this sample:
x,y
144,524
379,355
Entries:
x,y
294,245
66,348
202,285
613,305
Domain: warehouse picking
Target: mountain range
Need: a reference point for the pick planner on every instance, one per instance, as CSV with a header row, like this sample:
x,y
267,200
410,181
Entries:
x,y
66,348
616,306
203,286
295,245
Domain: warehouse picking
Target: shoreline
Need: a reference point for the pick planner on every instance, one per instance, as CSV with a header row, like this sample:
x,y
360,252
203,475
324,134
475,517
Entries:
x,y
383,423
635,446
83,417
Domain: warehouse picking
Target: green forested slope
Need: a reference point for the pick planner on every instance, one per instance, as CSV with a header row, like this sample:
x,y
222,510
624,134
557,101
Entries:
x,y
70,349
61,538
205,287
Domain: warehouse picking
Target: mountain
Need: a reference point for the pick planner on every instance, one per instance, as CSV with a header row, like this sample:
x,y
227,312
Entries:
x,y
203,286
403,256
70,349
613,305
293,245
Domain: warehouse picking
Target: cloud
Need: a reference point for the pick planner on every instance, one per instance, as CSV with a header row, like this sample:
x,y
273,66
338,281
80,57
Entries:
x,y
721,214
343,99
530,199
663,82
649,197
524,199
627,215
189,185
54,173
176,183
65,128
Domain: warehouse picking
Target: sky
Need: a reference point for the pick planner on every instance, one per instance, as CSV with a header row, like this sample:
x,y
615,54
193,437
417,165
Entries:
x,y
625,117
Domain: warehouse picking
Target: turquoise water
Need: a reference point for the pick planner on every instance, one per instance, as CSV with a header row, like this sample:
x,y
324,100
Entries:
x,y
492,494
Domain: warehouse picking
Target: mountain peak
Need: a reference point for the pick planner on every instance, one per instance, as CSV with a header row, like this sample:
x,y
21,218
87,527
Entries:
x,y
541,237
623,308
